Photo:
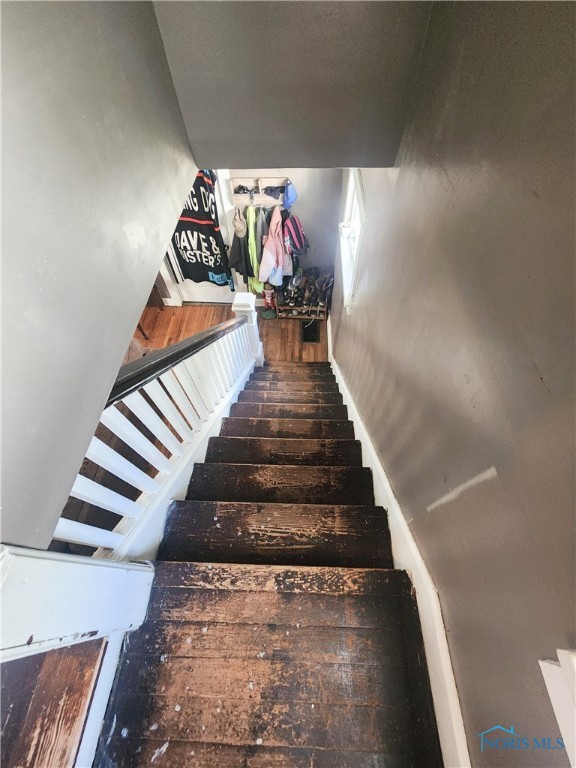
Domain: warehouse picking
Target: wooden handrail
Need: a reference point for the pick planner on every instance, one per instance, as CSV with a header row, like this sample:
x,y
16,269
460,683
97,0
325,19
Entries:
x,y
134,375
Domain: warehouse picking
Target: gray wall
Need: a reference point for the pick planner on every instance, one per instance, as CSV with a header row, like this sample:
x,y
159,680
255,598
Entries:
x,y
297,84
96,164
318,207
460,350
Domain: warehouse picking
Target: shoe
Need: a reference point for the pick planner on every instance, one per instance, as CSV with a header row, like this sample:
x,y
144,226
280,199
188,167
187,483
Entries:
x,y
327,284
308,291
296,280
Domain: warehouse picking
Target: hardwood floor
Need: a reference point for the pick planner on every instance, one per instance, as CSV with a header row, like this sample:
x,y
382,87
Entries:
x,y
282,339
171,324
45,698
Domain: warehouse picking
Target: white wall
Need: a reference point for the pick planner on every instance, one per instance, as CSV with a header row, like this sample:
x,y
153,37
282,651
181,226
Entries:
x,y
96,165
459,351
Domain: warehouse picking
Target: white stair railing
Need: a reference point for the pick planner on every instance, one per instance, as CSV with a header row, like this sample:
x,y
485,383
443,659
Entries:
x,y
162,407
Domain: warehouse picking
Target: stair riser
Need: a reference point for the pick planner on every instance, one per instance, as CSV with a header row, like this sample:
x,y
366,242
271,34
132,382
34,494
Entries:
x,y
274,550
296,366
290,411
254,450
293,485
316,535
295,369
304,376
248,396
292,386
289,428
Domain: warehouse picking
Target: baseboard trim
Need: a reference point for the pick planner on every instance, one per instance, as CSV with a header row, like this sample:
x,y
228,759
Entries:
x,y
407,557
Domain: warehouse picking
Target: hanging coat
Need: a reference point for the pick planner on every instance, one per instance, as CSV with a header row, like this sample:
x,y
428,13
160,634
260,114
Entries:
x,y
197,240
261,233
273,254
240,258
255,285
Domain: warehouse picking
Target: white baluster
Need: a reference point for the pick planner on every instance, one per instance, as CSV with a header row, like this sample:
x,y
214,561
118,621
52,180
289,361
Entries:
x,y
203,358
87,490
108,459
217,372
179,396
126,431
150,419
243,336
199,379
189,386
235,339
159,397
87,535
222,353
231,353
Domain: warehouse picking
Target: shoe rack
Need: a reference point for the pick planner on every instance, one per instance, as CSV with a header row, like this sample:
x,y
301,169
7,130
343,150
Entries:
x,y
314,312
297,313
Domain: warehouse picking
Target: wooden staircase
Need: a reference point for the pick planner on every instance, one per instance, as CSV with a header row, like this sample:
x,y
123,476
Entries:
x,y
278,633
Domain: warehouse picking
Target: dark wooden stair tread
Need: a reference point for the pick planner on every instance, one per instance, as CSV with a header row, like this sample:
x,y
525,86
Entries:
x,y
264,666
299,534
325,370
273,450
289,411
291,428
292,376
281,483
291,386
251,396
297,366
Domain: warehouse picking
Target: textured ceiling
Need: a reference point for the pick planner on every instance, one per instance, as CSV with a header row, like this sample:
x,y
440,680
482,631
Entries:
x,y
293,84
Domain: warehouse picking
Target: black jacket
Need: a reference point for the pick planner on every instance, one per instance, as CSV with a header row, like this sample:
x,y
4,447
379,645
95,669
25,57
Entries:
x,y
240,258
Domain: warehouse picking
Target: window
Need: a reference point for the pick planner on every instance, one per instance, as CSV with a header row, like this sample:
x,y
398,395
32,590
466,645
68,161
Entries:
x,y
351,234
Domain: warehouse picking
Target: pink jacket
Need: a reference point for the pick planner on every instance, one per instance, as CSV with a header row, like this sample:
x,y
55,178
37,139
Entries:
x,y
275,261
